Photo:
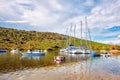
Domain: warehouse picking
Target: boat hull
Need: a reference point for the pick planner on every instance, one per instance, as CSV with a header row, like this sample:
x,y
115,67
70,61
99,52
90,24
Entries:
x,y
3,51
33,54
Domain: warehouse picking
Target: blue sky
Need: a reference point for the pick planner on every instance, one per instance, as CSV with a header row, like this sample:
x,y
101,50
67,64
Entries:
x,y
56,15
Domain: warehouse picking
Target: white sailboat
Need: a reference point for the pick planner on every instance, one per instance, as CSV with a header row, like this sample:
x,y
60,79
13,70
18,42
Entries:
x,y
81,49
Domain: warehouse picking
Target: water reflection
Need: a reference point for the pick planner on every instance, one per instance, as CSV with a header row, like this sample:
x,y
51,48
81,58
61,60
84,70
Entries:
x,y
33,57
85,68
108,64
68,57
78,57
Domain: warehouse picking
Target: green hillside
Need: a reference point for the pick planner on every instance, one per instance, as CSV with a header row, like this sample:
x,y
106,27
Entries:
x,y
23,40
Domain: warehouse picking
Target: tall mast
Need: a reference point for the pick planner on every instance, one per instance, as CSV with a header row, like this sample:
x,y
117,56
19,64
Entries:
x,y
89,36
86,30
81,33
67,37
70,34
90,43
74,33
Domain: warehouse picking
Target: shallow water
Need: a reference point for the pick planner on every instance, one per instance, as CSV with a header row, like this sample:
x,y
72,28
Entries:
x,y
80,68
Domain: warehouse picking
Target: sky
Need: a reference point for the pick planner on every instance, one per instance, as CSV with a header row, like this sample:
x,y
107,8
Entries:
x,y
103,16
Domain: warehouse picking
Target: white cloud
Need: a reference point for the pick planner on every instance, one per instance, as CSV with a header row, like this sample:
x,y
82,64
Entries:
x,y
55,5
119,36
89,2
40,16
56,15
14,21
103,15
115,41
23,1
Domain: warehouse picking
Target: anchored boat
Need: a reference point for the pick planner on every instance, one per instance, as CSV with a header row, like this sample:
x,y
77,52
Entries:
x,y
3,51
105,54
33,53
85,46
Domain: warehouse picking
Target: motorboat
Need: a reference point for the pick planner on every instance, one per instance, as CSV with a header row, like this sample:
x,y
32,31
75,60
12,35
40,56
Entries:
x,y
33,53
3,51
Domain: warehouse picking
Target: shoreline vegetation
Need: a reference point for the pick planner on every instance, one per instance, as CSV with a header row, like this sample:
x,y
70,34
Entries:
x,y
24,40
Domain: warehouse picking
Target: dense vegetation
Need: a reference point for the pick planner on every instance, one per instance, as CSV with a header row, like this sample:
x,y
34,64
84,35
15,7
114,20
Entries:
x,y
23,40
12,38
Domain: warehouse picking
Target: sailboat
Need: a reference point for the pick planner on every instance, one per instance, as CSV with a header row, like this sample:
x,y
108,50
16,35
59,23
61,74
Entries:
x,y
83,48
71,48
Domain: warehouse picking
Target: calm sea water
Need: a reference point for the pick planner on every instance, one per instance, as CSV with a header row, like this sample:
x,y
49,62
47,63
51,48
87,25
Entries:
x,y
76,67
109,64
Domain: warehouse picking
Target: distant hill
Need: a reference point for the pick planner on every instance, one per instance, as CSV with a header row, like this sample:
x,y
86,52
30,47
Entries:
x,y
23,40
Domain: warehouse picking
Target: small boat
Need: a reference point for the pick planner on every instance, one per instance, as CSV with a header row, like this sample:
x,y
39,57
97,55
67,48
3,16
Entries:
x,y
59,59
33,53
3,51
105,54
82,50
93,54
70,49
13,51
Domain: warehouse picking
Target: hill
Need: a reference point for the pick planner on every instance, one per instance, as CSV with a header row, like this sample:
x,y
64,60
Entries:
x,y
23,40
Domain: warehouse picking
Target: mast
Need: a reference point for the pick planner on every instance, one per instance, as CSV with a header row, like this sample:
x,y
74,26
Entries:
x,y
86,30
90,43
74,33
67,37
81,33
89,36
70,40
